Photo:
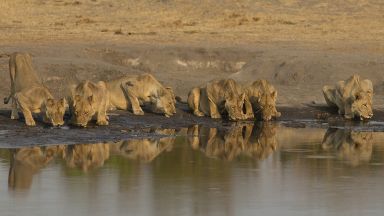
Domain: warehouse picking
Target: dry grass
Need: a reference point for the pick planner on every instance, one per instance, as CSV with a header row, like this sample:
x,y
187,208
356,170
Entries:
x,y
193,21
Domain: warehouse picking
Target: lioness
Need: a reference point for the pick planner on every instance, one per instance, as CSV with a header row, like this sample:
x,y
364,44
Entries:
x,y
88,100
218,97
262,96
129,92
30,95
257,141
353,97
354,147
25,162
87,156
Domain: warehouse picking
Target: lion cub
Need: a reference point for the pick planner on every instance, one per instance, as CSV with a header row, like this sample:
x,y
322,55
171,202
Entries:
x,y
262,96
88,100
353,97
30,95
130,92
218,97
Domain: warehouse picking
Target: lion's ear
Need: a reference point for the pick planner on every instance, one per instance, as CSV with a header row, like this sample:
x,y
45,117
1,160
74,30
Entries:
x,y
63,102
358,96
274,94
91,99
160,92
129,83
228,96
242,97
50,103
77,97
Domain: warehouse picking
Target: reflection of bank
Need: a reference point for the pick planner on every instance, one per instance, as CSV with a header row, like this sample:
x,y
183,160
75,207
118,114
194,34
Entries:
x,y
25,162
354,147
252,140
146,149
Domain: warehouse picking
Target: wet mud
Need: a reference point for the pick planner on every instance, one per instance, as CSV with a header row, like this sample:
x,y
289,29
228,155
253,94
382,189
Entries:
x,y
124,125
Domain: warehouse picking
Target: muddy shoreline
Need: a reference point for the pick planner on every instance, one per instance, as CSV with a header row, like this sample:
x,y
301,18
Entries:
x,y
124,125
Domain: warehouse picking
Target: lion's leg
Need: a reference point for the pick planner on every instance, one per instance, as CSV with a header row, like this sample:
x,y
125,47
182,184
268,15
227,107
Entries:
x,y
348,111
12,74
248,133
248,109
101,118
194,101
276,113
22,103
14,111
214,111
136,109
211,137
329,95
193,136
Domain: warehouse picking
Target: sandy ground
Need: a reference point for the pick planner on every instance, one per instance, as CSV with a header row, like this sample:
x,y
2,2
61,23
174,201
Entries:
x,y
298,45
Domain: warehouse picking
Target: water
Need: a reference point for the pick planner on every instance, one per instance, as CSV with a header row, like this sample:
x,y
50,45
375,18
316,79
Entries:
x,y
246,170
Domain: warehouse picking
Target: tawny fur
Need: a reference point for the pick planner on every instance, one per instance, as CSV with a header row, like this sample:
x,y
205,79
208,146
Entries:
x,y
131,92
353,97
262,96
29,95
219,97
89,100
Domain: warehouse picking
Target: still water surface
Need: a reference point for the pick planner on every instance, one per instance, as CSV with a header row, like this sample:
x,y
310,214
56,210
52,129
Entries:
x,y
246,170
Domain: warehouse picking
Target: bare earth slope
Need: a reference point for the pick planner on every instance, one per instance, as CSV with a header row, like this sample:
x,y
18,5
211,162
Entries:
x,y
299,45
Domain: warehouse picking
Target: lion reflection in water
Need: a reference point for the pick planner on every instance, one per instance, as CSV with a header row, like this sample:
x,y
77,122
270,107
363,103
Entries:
x,y
25,162
256,141
354,147
148,149
87,156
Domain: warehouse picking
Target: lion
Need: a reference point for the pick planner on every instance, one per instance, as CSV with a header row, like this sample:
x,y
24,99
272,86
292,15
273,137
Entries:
x,y
25,162
354,147
89,100
219,97
29,95
260,140
130,92
253,141
147,149
353,97
262,95
87,156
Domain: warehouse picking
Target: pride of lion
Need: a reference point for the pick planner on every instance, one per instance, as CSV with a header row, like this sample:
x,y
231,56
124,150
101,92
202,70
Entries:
x,y
216,99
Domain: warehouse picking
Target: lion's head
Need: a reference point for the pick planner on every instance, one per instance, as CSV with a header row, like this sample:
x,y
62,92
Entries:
x,y
267,105
164,102
54,111
362,105
83,110
87,156
234,106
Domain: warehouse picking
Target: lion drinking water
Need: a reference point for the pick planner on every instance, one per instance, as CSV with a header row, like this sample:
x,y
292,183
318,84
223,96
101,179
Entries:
x,y
30,95
218,97
353,97
130,92
88,100
262,96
